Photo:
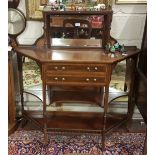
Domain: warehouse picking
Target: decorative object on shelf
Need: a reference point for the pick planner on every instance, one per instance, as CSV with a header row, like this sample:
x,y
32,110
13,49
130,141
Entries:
x,y
96,21
16,24
78,25
34,8
99,7
56,5
115,50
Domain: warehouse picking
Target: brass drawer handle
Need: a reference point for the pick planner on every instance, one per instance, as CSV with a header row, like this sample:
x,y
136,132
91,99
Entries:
x,y
63,68
55,78
96,68
87,79
95,79
63,79
88,68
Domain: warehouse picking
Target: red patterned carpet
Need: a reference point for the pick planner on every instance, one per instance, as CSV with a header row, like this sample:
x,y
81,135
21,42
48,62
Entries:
x,y
30,142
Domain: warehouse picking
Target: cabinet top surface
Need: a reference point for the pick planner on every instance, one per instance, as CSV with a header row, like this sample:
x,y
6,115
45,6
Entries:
x,y
48,11
81,55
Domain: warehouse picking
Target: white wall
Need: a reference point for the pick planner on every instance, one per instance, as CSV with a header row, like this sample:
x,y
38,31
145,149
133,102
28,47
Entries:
x,y
33,31
127,25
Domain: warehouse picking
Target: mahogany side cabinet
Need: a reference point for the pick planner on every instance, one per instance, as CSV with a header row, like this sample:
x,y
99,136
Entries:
x,y
73,67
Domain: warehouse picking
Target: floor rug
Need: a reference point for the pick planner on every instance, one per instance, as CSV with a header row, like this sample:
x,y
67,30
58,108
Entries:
x,y
31,142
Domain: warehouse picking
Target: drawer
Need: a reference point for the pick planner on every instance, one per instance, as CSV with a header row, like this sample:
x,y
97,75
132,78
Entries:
x,y
75,80
66,67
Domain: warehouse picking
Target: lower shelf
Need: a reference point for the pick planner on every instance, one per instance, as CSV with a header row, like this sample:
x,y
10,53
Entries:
x,y
75,121
85,96
66,96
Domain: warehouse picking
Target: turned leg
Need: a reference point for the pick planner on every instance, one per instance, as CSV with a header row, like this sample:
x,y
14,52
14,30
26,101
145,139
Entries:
x,y
105,103
44,109
45,135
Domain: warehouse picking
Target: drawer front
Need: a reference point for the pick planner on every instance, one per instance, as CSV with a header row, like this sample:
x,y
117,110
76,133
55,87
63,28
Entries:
x,y
66,67
75,80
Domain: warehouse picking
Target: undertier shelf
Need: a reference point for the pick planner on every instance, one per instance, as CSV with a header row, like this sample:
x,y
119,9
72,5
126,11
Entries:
x,y
76,121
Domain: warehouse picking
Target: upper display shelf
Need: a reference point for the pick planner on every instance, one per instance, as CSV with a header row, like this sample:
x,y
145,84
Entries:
x,y
34,8
85,5
69,11
78,25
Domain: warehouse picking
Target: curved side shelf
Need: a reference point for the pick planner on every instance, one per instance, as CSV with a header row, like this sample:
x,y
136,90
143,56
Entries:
x,y
113,96
33,95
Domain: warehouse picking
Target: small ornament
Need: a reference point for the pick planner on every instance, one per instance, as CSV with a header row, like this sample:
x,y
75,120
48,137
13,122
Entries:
x,y
115,49
116,45
112,49
122,49
112,55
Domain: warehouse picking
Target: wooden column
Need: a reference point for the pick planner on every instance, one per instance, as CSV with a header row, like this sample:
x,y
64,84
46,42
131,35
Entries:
x,y
11,97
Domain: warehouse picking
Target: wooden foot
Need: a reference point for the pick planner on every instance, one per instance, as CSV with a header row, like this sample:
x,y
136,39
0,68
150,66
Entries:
x,y
45,137
103,142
